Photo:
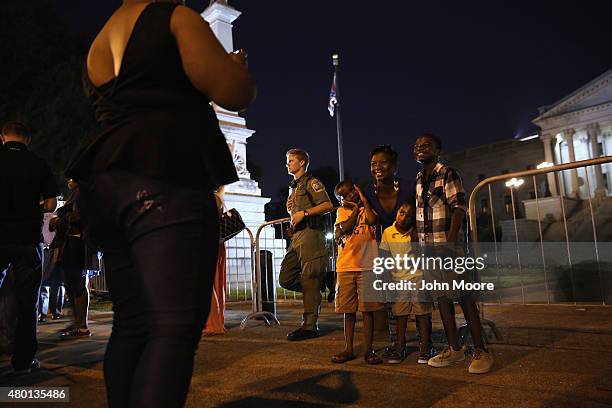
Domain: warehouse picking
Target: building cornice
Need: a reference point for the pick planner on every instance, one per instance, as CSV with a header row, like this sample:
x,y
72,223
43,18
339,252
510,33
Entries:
x,y
575,97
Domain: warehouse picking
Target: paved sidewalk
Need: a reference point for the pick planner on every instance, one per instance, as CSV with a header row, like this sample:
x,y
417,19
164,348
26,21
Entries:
x,y
551,356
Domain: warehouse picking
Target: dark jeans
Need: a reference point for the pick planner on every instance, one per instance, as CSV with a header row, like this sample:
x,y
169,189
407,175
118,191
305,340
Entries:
x,y
52,292
26,261
160,244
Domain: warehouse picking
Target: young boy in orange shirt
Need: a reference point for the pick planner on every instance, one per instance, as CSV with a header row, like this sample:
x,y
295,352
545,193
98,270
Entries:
x,y
357,249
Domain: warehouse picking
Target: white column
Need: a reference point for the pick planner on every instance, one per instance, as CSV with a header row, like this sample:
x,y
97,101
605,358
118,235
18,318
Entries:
x,y
569,139
592,131
548,157
220,16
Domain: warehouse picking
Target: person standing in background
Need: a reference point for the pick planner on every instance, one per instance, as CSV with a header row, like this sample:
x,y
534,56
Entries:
x,y
216,317
304,266
69,254
25,180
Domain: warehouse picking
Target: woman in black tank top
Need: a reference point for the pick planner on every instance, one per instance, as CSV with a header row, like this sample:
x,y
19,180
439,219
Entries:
x,y
146,188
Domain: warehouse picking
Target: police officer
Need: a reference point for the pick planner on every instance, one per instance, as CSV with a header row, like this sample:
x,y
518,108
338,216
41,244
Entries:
x,y
305,265
25,182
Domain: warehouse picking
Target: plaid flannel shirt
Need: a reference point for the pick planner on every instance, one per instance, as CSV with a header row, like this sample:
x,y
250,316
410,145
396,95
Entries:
x,y
436,202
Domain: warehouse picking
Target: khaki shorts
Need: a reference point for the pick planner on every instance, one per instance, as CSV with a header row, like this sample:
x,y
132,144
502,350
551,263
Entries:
x,y
349,294
412,308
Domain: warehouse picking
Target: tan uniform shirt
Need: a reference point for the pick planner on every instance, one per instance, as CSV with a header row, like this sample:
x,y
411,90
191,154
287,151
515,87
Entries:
x,y
307,192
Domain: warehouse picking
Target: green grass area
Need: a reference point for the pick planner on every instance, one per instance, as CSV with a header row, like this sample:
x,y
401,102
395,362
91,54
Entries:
x,y
101,306
513,277
234,295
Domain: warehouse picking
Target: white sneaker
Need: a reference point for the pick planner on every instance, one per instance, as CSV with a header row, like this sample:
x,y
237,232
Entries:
x,y
482,362
447,357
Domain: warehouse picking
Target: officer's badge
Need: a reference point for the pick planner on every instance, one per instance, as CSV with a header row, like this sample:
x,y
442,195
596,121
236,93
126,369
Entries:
x,y
317,186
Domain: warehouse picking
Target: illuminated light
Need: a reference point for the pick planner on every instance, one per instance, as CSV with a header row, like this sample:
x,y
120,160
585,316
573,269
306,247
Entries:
x,y
528,138
559,138
329,236
544,165
514,182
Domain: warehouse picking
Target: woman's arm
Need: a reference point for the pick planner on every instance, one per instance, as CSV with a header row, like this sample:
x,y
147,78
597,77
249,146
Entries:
x,y
223,77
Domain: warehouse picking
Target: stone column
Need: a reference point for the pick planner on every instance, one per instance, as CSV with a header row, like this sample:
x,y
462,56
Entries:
x,y
220,16
600,190
549,157
569,139
245,194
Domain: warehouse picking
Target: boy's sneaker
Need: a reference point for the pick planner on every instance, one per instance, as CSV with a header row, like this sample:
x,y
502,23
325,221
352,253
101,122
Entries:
x,y
398,356
447,357
425,357
390,350
482,361
34,365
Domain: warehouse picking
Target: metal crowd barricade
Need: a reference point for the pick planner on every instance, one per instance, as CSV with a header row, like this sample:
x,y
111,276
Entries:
x,y
521,262
240,267
97,279
273,239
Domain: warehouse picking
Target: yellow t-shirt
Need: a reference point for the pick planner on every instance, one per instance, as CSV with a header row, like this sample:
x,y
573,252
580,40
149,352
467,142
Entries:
x,y
360,247
398,243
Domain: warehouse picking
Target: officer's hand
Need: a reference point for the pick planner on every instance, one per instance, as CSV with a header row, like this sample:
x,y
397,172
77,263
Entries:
x,y
297,217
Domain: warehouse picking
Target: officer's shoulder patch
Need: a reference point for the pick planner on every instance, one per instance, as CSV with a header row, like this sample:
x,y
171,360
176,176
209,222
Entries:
x,y
317,186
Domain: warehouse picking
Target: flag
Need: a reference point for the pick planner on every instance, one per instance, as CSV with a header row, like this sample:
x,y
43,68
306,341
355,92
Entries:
x,y
331,106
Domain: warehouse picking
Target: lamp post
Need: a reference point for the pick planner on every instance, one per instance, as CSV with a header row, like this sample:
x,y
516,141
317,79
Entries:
x,y
512,184
545,165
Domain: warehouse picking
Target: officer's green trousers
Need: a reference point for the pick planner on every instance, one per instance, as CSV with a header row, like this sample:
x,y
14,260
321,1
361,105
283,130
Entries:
x,y
303,270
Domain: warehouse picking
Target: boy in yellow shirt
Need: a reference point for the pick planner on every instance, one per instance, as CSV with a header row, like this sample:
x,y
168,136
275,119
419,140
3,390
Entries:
x,y
399,239
357,248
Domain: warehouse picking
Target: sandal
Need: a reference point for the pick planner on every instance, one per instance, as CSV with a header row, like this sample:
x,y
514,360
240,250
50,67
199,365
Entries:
x,y
372,358
342,357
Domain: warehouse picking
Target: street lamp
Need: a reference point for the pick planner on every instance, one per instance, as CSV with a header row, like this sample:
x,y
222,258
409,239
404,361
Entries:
x,y
545,165
512,184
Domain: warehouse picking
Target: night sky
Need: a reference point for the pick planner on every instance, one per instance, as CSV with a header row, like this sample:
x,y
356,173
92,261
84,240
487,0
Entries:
x,y
472,74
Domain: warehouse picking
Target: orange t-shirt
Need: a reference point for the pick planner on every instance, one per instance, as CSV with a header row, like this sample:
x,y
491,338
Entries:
x,y
360,247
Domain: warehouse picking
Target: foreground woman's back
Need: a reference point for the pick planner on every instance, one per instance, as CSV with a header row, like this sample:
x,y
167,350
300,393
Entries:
x,y
147,181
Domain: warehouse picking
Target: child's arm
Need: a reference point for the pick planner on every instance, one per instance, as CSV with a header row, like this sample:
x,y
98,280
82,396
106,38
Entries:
x,y
371,218
347,227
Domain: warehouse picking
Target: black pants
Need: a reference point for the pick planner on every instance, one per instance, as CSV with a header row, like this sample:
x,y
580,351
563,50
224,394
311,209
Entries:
x,y
52,290
26,261
160,245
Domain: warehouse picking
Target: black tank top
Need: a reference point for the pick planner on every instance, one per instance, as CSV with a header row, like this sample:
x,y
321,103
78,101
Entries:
x,y
154,122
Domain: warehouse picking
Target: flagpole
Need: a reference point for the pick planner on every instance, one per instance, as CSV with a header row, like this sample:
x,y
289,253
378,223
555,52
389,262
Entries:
x,y
336,62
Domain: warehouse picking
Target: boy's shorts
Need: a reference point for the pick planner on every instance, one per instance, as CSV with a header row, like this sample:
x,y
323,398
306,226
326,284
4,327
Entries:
x,y
349,294
412,308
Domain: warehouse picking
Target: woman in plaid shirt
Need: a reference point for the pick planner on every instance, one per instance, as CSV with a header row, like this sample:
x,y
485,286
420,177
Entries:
x,y
441,208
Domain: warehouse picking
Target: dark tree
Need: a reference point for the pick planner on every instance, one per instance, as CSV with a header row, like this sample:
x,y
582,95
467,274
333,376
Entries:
x,y
41,64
